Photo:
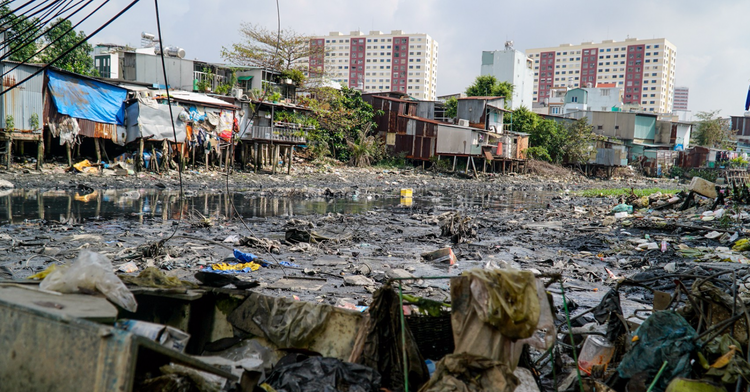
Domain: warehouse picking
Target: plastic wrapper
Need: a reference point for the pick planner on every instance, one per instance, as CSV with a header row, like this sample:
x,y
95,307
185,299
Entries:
x,y
506,299
91,271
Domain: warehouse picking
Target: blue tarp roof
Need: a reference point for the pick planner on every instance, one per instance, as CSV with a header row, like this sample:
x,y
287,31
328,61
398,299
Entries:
x,y
87,99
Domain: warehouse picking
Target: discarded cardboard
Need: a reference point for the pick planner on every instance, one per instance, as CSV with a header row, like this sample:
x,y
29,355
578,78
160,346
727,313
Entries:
x,y
444,255
703,187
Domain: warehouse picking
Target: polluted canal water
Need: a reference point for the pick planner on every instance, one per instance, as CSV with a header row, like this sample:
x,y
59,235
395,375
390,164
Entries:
x,y
24,205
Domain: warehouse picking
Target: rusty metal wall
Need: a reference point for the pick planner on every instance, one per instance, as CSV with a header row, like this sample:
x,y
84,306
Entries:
x,y
404,143
471,109
24,100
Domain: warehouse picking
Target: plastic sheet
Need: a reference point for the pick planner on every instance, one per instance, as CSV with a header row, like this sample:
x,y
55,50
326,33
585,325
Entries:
x,y
91,271
664,336
319,374
468,373
379,345
506,299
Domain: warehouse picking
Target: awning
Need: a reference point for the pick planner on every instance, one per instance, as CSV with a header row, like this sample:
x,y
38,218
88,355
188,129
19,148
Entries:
x,y
243,78
87,99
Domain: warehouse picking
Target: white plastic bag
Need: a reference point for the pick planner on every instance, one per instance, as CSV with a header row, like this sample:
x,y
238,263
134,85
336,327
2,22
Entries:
x,y
91,271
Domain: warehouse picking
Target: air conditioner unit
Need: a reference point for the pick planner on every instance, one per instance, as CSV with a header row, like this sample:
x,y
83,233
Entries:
x,y
463,123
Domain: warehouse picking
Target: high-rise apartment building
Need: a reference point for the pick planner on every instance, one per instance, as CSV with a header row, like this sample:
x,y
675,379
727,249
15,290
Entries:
x,y
644,69
512,66
378,62
681,99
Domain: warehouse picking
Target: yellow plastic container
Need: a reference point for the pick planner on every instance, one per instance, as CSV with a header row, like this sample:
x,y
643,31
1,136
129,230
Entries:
x,y
406,193
406,201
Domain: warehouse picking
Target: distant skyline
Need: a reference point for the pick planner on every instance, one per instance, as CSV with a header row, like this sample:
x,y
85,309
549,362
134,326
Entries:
x,y
713,47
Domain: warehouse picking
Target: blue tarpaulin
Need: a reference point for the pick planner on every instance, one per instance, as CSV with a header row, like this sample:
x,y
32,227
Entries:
x,y
87,99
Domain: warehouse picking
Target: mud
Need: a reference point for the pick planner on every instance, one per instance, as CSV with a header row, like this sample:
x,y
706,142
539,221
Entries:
x,y
525,221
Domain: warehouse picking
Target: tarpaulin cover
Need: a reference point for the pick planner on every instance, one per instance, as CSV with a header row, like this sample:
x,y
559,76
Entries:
x,y
379,345
285,322
318,374
664,336
87,99
153,122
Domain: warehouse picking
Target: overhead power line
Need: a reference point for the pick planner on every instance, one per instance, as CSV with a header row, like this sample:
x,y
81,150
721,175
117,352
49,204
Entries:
x,y
66,52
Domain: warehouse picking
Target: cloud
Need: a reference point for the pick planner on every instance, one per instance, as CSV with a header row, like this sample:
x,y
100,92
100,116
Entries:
x,y
711,38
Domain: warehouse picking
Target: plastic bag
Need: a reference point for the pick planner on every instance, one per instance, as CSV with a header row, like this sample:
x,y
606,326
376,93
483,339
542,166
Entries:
x,y
506,299
91,271
622,208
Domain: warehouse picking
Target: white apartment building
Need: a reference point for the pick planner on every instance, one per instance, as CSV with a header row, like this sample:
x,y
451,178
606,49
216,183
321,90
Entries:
x,y
378,62
643,68
512,66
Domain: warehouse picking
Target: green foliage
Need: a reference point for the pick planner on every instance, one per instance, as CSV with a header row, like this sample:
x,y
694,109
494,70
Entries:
x,y
616,192
441,165
738,162
205,83
18,31
539,153
34,121
365,149
295,118
275,96
297,76
487,85
451,107
391,162
342,116
10,123
712,130
523,120
263,47
226,88
676,171
706,174
79,60
561,143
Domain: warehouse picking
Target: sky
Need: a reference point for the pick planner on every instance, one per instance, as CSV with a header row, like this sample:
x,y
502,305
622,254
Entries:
x,y
712,39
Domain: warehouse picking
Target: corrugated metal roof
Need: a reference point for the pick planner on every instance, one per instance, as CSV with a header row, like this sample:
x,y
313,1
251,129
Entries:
x,y
25,100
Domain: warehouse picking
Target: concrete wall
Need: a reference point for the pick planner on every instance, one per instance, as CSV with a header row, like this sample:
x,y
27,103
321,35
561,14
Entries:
x,y
514,67
645,127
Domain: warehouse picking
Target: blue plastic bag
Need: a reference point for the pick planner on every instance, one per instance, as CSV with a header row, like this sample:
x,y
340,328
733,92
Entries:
x,y
244,257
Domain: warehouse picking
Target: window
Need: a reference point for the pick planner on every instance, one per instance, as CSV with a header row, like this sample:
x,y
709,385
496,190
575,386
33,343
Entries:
x,y
599,127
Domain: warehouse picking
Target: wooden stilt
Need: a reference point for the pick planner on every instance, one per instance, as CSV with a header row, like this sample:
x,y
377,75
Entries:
x,y
255,157
68,150
98,150
39,154
275,158
474,167
468,160
166,155
454,163
290,154
154,165
139,159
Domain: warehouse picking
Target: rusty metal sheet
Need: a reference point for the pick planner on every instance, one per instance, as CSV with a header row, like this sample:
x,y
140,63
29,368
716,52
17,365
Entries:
x,y
24,101
96,130
404,143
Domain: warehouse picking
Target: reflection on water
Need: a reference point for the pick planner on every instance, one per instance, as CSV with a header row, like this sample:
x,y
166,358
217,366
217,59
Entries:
x,y
21,205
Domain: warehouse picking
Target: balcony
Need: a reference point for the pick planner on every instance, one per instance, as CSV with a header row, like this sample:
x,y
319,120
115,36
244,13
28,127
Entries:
x,y
284,133
216,80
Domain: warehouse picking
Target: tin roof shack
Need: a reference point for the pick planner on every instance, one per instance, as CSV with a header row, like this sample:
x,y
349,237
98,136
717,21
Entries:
x,y
78,106
209,125
273,126
482,112
21,110
741,125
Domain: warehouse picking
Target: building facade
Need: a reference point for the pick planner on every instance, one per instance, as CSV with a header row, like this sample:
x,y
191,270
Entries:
x,y
512,66
644,69
378,62
681,99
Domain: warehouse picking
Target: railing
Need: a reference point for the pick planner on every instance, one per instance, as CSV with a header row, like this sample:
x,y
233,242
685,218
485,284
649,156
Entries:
x,y
214,82
278,134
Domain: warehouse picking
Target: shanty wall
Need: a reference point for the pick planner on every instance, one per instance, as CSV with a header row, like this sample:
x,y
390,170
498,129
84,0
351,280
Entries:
x,y
88,128
24,100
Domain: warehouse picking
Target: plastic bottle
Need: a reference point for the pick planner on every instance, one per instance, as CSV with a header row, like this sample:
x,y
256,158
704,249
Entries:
x,y
596,350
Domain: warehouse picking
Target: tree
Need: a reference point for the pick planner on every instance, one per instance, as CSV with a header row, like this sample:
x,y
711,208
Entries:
x,y
344,118
712,130
451,107
522,120
261,47
79,60
19,31
577,139
487,85
553,142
